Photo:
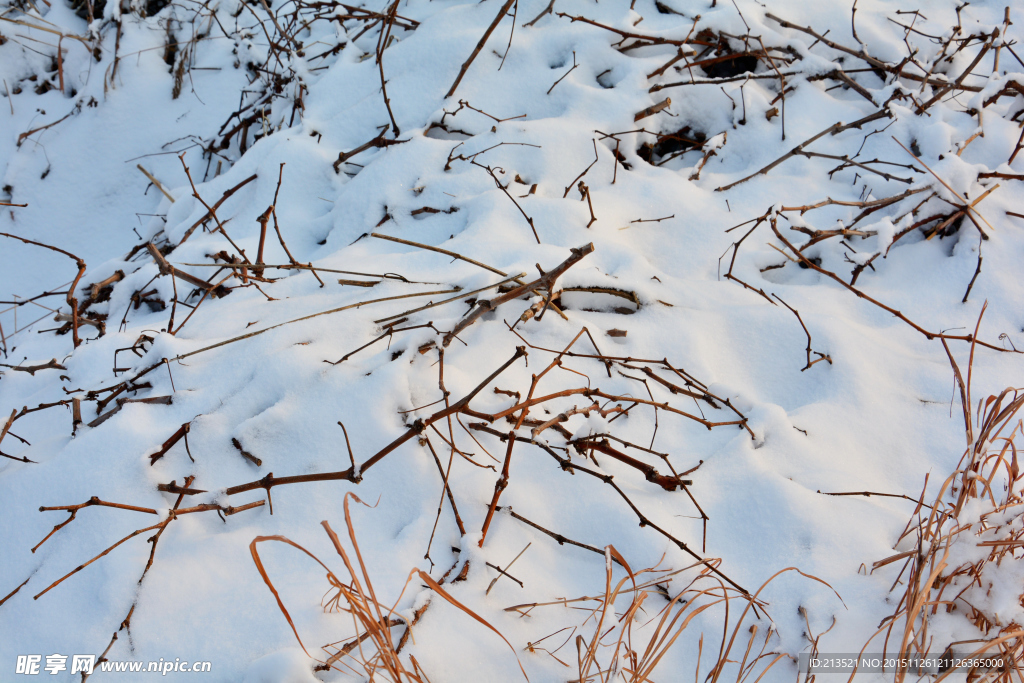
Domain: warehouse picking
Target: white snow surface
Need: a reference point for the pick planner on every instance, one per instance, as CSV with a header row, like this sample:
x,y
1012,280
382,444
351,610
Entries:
x,y
879,417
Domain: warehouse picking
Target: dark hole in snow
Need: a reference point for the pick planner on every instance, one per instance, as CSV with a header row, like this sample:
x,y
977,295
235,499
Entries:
x,y
439,131
171,51
103,294
950,229
153,7
622,160
81,8
671,143
815,260
665,9
396,354
598,299
424,212
734,66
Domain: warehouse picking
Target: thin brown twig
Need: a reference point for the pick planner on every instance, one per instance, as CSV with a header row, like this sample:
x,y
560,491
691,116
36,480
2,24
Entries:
x,y
821,356
72,301
382,45
503,188
417,428
13,592
546,281
479,46
499,486
580,176
928,335
211,210
571,69
562,540
834,129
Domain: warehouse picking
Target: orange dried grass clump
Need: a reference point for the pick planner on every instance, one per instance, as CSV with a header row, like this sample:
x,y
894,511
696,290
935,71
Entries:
x,y
619,648
966,548
374,653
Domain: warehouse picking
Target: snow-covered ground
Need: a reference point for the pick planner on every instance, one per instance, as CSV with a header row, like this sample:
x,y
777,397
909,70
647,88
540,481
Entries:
x,y
260,109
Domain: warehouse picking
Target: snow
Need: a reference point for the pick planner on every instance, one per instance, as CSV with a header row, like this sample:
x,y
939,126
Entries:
x,y
879,417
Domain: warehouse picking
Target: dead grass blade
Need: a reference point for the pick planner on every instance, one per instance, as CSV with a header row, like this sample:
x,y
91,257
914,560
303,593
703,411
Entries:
x,y
374,651
266,578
